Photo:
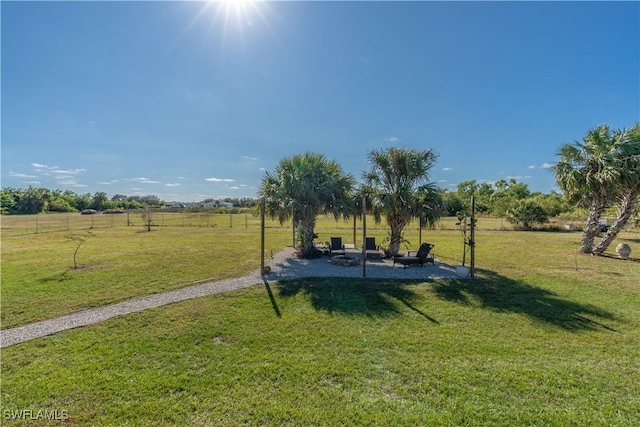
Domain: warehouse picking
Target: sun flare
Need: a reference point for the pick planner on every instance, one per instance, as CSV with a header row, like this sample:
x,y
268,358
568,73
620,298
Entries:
x,y
232,19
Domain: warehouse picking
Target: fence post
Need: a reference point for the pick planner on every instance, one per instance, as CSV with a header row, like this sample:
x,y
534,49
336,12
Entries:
x,y
262,206
364,237
230,220
473,237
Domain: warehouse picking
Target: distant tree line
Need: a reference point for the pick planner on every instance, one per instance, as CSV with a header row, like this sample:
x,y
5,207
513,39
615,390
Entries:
x,y
34,200
38,200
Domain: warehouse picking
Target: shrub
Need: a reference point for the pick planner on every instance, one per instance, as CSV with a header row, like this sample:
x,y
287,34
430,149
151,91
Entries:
x,y
526,213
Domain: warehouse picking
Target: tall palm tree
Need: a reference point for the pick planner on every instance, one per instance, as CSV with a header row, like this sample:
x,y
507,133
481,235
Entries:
x,y
588,172
627,188
303,186
398,187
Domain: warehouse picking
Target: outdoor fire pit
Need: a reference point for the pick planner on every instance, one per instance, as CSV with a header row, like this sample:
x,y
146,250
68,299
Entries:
x,y
344,260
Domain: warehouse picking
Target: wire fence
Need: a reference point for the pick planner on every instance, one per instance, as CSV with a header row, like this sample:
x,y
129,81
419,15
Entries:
x,y
73,222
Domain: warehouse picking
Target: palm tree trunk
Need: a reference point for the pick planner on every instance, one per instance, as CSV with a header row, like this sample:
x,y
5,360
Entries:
x,y
591,228
396,225
305,237
627,206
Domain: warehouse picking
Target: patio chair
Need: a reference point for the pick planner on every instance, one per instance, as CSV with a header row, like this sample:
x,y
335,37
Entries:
x,y
422,255
336,248
372,250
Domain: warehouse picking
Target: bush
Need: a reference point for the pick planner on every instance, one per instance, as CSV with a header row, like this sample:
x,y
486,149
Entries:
x,y
526,213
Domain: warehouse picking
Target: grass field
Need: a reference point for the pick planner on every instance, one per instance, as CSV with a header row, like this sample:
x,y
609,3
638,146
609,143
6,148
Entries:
x,y
547,337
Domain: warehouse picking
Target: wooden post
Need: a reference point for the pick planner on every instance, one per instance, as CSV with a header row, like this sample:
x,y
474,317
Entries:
x,y
293,225
355,217
472,240
262,238
364,237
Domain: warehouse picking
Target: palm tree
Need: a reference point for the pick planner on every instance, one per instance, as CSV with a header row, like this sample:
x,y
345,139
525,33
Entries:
x,y
627,187
588,172
303,186
398,187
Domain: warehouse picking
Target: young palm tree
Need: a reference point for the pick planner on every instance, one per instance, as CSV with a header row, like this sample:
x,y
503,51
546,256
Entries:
x,y
588,172
627,187
302,187
398,187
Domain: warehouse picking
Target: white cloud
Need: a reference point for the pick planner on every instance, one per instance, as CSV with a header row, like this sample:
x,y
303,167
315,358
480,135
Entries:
x,y
249,158
41,166
517,177
219,179
67,182
142,180
393,139
447,169
531,167
21,175
71,183
176,184
68,171
234,188
547,166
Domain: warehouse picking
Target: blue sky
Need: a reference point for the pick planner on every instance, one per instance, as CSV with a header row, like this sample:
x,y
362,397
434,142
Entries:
x,y
190,100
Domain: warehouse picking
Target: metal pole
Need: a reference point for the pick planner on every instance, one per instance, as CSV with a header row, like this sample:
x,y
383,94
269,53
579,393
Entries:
x,y
354,231
262,238
472,241
364,237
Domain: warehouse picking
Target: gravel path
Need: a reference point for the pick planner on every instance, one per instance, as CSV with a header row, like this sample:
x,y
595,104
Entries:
x,y
283,265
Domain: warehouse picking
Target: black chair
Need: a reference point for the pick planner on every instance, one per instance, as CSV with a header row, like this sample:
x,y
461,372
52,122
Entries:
x,y
372,250
336,248
422,255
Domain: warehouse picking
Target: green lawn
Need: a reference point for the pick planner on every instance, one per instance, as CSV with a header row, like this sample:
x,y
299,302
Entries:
x,y
545,338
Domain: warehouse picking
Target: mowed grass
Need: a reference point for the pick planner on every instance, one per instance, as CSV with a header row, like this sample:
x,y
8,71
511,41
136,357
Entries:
x,y
115,264
545,338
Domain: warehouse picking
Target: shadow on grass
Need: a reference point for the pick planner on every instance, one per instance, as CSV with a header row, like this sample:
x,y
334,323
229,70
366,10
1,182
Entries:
x,y
274,304
367,297
503,294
